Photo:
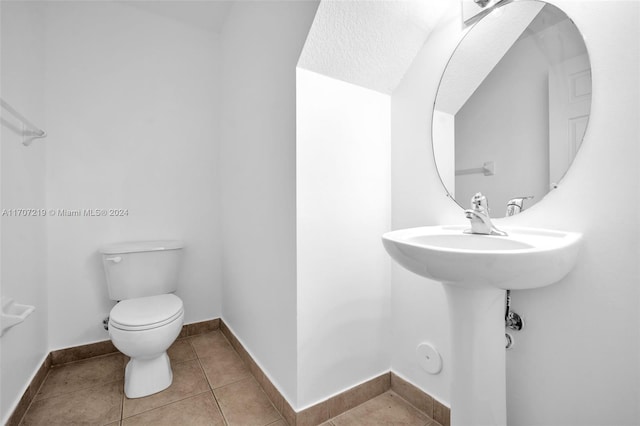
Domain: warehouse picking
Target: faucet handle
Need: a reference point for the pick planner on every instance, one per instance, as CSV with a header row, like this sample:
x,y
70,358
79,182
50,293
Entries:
x,y
516,205
479,202
519,199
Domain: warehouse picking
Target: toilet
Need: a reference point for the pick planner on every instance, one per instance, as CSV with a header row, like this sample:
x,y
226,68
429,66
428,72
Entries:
x,y
148,317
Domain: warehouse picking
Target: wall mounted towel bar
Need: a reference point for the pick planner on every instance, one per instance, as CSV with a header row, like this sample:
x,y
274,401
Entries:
x,y
12,314
487,169
26,129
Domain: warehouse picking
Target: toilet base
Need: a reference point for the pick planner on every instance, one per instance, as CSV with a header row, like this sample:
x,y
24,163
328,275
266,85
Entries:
x,y
144,377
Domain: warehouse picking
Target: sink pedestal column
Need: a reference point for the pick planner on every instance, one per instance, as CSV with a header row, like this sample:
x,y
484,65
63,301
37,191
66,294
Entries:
x,y
478,390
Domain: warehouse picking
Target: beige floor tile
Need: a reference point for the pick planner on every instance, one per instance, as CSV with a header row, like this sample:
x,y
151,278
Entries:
x,y
386,409
244,403
223,366
180,351
82,375
197,410
99,405
206,344
188,380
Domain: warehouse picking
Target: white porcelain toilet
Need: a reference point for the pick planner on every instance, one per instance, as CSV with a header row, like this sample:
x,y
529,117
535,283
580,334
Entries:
x,y
142,276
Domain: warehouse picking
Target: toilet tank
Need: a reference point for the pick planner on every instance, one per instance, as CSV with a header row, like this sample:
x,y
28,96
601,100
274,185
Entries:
x,y
141,268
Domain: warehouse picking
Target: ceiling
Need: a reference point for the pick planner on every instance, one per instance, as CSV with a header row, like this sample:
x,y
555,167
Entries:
x,y
369,43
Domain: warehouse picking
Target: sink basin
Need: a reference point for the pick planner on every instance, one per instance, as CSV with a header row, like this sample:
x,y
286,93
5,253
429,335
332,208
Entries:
x,y
475,271
526,258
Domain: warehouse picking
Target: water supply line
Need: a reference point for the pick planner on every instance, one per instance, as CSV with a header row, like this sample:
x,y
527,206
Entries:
x,y
512,320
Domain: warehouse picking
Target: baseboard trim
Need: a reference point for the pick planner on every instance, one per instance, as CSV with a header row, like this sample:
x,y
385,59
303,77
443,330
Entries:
x,y
421,400
105,347
30,393
344,401
310,416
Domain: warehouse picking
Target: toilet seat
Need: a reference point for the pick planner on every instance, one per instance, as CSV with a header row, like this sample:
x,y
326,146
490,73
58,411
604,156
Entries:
x,y
144,313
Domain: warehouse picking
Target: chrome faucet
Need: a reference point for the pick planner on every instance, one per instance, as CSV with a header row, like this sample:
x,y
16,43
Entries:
x,y
478,214
516,205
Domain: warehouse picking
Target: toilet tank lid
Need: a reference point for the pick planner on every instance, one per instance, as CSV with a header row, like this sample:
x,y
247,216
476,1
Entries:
x,y
141,246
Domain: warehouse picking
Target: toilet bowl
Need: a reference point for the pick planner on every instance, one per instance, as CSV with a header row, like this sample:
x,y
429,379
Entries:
x,y
142,276
143,328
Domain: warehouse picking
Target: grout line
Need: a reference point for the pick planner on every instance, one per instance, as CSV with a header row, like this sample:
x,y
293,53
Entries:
x,y
232,383
224,418
173,363
122,404
215,399
251,372
237,381
164,405
204,373
248,367
124,370
250,376
255,379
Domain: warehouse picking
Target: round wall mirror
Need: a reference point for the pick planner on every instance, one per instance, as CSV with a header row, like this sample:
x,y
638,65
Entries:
x,y
512,106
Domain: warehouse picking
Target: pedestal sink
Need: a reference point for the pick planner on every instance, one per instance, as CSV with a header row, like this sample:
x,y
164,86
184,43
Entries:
x,y
475,271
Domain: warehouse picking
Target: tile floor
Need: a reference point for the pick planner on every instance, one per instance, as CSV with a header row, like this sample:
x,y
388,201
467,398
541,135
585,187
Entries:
x,y
211,386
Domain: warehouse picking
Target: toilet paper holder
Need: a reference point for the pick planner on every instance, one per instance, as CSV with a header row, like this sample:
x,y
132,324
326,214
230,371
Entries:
x,y
13,313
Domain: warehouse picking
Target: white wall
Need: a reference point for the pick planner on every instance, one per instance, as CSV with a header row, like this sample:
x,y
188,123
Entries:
x,y
132,99
576,362
23,259
261,44
418,306
343,207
